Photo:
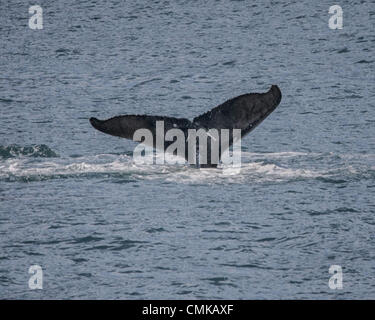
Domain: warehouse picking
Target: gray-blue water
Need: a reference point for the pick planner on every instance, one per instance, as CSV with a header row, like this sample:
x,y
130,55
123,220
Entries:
x,y
73,201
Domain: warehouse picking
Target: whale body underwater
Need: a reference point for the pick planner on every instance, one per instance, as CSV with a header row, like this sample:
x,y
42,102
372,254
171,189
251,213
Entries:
x,y
244,112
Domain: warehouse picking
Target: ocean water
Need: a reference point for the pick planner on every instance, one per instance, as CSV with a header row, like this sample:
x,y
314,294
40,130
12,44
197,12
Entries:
x,y
73,201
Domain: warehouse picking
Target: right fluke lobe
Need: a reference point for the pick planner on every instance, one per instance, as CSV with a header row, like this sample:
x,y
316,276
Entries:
x,y
276,93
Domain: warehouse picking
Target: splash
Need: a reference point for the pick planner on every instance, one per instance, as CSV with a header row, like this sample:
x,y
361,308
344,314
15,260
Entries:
x,y
41,163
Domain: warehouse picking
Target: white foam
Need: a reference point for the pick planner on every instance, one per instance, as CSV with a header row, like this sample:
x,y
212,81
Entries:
x,y
261,167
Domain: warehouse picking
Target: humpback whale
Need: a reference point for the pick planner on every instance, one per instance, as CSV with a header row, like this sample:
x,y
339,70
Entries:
x,y
244,112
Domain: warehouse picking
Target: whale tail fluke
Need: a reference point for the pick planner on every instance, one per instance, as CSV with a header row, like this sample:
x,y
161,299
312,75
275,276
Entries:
x,y
244,112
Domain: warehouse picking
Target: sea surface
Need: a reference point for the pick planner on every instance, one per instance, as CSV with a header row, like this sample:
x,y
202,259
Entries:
x,y
73,201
